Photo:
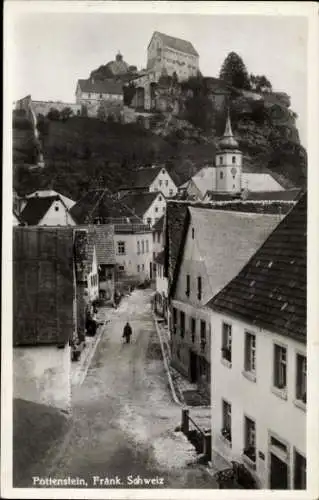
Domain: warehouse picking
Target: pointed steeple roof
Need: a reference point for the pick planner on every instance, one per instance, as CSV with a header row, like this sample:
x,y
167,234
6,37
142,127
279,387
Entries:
x,y
228,140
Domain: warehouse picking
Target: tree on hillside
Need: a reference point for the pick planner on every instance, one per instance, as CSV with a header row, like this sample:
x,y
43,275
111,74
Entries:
x,y
54,114
128,91
234,72
260,83
66,113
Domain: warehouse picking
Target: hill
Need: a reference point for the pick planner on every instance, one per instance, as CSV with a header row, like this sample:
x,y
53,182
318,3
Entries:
x,y
81,152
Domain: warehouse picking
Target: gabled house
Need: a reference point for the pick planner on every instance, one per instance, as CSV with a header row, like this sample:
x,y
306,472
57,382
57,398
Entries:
x,y
43,314
259,359
148,206
47,211
214,246
152,179
132,238
106,262
173,55
45,193
94,95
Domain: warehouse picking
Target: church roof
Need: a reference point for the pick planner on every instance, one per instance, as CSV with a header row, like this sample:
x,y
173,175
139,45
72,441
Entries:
x,y
228,140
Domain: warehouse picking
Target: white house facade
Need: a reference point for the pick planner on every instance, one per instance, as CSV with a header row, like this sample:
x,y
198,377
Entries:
x,y
254,419
164,183
133,253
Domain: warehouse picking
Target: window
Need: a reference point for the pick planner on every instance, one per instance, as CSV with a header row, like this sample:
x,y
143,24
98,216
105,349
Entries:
x,y
163,171
250,352
149,221
156,209
166,183
280,366
226,423
220,160
121,268
89,96
221,175
226,342
101,95
142,267
193,233
300,471
193,328
138,268
234,159
121,247
188,284
158,237
170,192
147,247
199,288
182,324
142,243
174,320
203,334
250,439
153,237
301,378
56,209
138,248
160,183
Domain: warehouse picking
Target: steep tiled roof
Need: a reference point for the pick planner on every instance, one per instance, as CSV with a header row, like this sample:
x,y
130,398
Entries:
x,y
99,204
141,178
104,243
101,86
43,285
159,225
177,43
271,290
227,240
36,208
139,203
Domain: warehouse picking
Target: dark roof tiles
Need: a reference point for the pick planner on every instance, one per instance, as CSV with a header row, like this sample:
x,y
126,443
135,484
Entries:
x,y
36,208
271,290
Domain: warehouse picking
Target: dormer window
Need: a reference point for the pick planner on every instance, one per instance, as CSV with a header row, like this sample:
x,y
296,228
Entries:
x,y
220,160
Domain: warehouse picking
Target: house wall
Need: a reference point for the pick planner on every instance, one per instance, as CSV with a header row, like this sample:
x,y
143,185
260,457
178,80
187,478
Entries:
x,y
155,211
41,374
107,284
132,259
93,280
255,399
193,191
158,243
60,217
182,346
164,183
160,56
228,175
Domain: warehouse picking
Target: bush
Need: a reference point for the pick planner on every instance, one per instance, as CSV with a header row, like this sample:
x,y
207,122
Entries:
x,y
54,114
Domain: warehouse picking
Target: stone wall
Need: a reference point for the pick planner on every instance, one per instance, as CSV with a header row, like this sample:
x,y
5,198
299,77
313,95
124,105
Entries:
x,y
43,107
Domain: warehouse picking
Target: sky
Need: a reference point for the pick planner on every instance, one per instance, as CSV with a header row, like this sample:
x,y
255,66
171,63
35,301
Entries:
x,y
51,51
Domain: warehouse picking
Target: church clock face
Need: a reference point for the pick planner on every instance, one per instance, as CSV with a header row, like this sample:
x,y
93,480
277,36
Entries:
x,y
234,171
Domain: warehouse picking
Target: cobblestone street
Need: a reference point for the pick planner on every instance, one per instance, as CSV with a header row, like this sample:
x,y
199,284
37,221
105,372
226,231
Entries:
x,y
124,415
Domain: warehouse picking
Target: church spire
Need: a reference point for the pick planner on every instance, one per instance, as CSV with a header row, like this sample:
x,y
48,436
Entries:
x,y
228,140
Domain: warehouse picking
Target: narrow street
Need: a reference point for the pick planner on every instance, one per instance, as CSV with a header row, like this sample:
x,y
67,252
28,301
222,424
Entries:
x,y
124,415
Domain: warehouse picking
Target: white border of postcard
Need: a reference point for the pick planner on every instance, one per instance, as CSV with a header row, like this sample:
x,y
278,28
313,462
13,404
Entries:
x,y
310,11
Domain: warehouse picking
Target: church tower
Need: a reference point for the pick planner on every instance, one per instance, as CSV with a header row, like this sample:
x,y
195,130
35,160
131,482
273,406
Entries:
x,y
228,162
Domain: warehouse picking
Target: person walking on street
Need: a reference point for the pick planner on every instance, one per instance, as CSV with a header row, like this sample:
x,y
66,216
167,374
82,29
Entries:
x,y
127,332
